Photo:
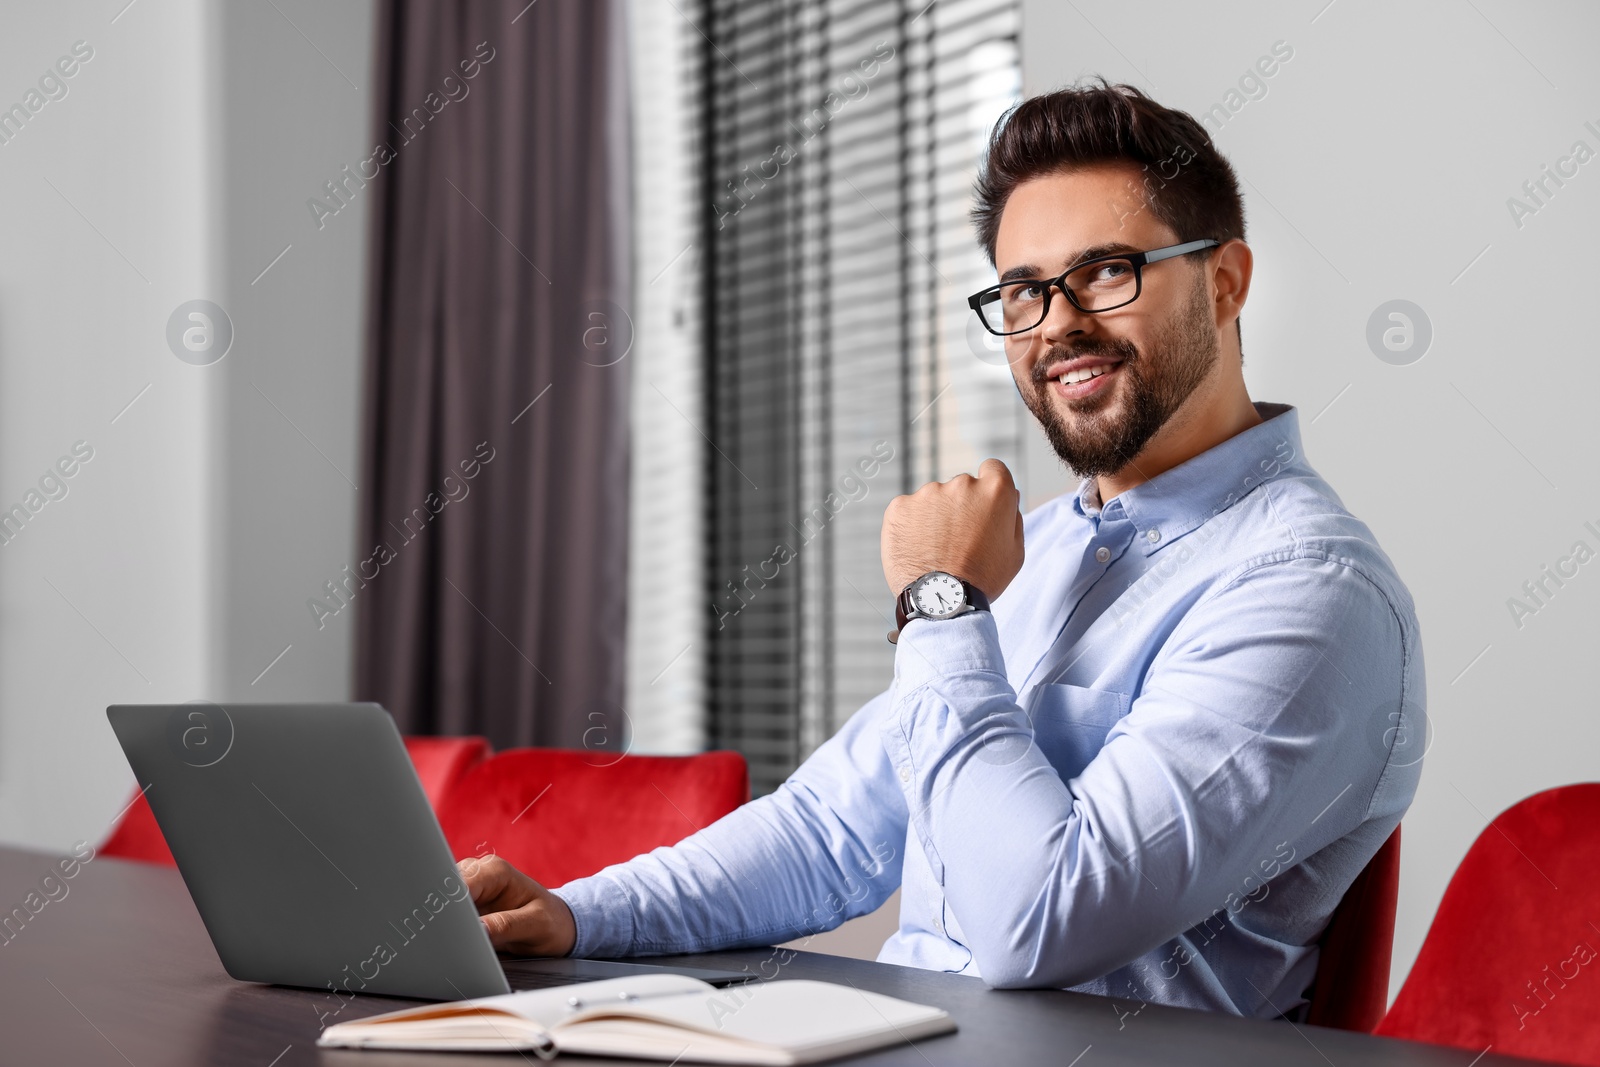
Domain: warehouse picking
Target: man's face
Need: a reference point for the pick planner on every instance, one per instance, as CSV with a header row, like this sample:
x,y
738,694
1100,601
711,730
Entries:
x,y
1152,354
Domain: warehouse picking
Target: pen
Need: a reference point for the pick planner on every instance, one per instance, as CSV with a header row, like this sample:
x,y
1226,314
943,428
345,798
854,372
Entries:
x,y
576,1003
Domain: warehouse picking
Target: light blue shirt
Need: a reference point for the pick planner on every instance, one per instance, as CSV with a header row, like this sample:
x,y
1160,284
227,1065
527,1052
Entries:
x,y
1151,773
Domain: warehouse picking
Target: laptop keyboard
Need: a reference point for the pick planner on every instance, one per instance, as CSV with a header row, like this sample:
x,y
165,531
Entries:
x,y
519,980
529,973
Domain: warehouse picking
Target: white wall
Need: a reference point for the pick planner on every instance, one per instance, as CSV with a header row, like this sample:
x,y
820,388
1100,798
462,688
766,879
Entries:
x,y
178,564
297,104
1378,166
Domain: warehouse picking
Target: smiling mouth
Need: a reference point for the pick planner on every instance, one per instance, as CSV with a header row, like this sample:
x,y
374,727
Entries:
x,y
1083,374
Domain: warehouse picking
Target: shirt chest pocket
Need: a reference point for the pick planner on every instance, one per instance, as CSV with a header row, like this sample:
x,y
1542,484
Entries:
x,y
1070,723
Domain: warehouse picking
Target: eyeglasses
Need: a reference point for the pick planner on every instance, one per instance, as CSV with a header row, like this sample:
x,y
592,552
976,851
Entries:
x,y
1095,285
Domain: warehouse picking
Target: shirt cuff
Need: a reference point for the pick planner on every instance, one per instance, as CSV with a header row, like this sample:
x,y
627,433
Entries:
x,y
930,649
602,912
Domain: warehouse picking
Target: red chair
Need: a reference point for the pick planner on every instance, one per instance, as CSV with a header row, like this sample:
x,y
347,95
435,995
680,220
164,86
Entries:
x,y
1510,960
560,814
440,762
1352,983
135,836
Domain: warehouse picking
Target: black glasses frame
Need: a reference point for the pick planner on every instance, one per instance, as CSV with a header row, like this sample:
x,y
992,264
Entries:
x,y
1140,260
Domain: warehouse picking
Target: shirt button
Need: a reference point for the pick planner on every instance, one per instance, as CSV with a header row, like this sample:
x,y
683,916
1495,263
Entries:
x,y
1102,553
1153,536
905,774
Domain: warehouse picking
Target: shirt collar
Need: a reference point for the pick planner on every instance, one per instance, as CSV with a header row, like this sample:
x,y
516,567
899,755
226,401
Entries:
x,y
1179,500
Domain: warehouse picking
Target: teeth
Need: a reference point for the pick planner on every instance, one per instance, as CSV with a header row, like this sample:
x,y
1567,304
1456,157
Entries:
x,y
1072,377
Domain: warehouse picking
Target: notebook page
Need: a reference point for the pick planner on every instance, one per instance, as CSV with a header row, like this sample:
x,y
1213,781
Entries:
x,y
805,1019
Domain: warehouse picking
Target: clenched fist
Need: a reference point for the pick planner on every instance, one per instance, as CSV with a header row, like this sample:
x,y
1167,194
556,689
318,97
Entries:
x,y
969,527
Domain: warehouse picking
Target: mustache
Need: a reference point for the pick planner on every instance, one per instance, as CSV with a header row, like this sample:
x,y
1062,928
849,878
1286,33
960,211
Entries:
x,y
1118,349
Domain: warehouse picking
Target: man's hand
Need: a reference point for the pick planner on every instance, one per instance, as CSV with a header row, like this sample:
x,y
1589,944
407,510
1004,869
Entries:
x,y
969,527
521,915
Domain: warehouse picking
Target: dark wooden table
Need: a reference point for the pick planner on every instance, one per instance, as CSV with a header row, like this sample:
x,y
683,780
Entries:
x,y
120,971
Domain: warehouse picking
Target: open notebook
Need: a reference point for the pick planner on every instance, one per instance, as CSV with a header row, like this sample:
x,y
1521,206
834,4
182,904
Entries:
x,y
658,1016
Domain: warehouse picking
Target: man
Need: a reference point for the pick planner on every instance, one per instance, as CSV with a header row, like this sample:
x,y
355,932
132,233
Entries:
x,y
1152,770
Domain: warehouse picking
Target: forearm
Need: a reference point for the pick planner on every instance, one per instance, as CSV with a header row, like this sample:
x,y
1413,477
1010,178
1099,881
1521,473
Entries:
x,y
823,848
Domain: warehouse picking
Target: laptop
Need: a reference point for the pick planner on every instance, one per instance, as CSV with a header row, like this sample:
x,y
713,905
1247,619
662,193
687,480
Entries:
x,y
315,859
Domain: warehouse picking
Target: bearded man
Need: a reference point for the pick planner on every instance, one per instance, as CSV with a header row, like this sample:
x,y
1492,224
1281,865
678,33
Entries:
x,y
1144,758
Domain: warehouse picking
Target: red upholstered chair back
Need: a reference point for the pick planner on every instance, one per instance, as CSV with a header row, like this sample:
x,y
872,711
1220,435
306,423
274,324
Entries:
x,y
1352,984
135,836
560,814
440,763
1511,958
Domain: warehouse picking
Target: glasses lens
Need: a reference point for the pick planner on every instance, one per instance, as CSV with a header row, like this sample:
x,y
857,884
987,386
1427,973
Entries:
x,y
1014,307
991,312
1107,284
1100,286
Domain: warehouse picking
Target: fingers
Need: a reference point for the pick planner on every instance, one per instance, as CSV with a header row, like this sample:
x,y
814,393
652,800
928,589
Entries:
x,y
994,477
471,868
993,468
477,874
543,926
969,526
524,929
509,929
518,913
991,472
495,885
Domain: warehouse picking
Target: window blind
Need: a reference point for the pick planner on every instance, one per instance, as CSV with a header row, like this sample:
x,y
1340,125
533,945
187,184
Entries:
x,y
840,140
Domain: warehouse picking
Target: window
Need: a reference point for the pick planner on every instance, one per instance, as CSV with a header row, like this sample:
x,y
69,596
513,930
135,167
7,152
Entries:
x,y
835,144
840,144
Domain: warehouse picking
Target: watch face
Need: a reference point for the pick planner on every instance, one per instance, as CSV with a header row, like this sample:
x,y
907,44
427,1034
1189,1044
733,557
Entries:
x,y
939,594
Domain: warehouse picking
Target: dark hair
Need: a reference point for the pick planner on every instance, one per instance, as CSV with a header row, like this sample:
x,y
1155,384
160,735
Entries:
x,y
1189,185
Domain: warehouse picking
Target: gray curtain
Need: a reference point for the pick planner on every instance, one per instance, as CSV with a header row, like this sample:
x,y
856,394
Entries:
x,y
492,572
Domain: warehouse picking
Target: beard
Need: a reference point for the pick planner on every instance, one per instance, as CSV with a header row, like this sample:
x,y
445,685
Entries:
x,y
1099,440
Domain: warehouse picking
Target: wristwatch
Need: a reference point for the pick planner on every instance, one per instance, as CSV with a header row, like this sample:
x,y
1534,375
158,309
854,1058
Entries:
x,y
936,595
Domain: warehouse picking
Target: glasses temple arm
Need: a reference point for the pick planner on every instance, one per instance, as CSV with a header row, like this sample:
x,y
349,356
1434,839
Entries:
x,y
1180,250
